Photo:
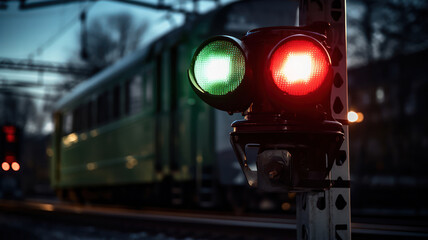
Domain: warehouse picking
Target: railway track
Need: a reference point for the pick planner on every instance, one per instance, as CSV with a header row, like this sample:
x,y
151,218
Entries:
x,y
196,225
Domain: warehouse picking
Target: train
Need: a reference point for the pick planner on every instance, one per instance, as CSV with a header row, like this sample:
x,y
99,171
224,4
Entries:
x,y
137,132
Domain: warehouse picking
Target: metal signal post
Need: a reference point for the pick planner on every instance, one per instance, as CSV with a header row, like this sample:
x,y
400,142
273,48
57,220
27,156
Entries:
x,y
326,215
290,83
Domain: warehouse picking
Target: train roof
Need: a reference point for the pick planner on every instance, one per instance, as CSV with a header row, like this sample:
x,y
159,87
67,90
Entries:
x,y
111,72
114,71
252,14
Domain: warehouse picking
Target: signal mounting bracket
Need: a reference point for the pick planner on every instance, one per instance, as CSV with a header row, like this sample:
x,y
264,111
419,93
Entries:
x,y
308,153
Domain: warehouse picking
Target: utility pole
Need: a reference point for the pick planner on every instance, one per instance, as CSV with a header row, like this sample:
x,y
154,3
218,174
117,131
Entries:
x,y
326,215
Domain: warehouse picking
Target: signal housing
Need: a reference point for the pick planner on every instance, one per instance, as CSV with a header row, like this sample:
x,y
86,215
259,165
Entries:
x,y
297,136
240,98
261,44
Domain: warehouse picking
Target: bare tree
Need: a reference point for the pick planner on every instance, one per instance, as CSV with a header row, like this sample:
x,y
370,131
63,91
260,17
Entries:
x,y
19,111
388,30
404,26
382,29
111,38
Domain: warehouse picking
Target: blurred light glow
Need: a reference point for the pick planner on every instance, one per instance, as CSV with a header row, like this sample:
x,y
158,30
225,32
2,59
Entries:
x,y
286,206
49,152
380,95
131,162
5,166
199,158
47,207
10,158
16,166
10,133
83,136
9,129
352,116
91,166
70,139
93,133
360,117
10,138
49,127
185,169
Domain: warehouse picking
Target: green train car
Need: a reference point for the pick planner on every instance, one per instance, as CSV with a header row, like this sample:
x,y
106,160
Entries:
x,y
137,130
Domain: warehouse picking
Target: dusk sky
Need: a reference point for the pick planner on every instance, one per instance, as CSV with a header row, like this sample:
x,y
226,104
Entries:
x,y
23,32
52,33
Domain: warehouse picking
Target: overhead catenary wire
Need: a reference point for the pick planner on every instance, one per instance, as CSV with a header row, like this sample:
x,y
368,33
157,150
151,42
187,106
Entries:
x,y
39,50
44,97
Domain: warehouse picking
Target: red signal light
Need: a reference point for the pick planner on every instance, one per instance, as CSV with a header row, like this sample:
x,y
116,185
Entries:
x,y
10,158
5,166
299,66
10,138
15,166
10,133
9,129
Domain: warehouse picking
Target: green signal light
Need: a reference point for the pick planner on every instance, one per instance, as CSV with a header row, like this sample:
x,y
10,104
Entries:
x,y
219,67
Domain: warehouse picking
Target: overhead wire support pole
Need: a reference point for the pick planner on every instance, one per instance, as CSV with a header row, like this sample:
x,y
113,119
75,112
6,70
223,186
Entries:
x,y
326,215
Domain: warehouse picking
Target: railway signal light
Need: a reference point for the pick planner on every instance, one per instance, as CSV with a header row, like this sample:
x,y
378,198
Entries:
x,y
219,74
281,79
9,147
5,166
9,132
15,166
300,72
299,66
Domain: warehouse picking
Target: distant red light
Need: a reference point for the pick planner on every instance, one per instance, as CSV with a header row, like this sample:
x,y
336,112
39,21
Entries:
x,y
9,129
5,166
299,66
10,138
15,166
10,158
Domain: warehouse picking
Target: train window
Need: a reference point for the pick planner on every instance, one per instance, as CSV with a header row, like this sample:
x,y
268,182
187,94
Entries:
x,y
134,95
79,121
149,86
127,97
102,108
173,76
165,78
89,115
159,83
76,119
82,120
68,123
116,102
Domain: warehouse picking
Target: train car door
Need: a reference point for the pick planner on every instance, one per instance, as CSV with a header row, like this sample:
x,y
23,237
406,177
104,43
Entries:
x,y
166,111
56,145
174,119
